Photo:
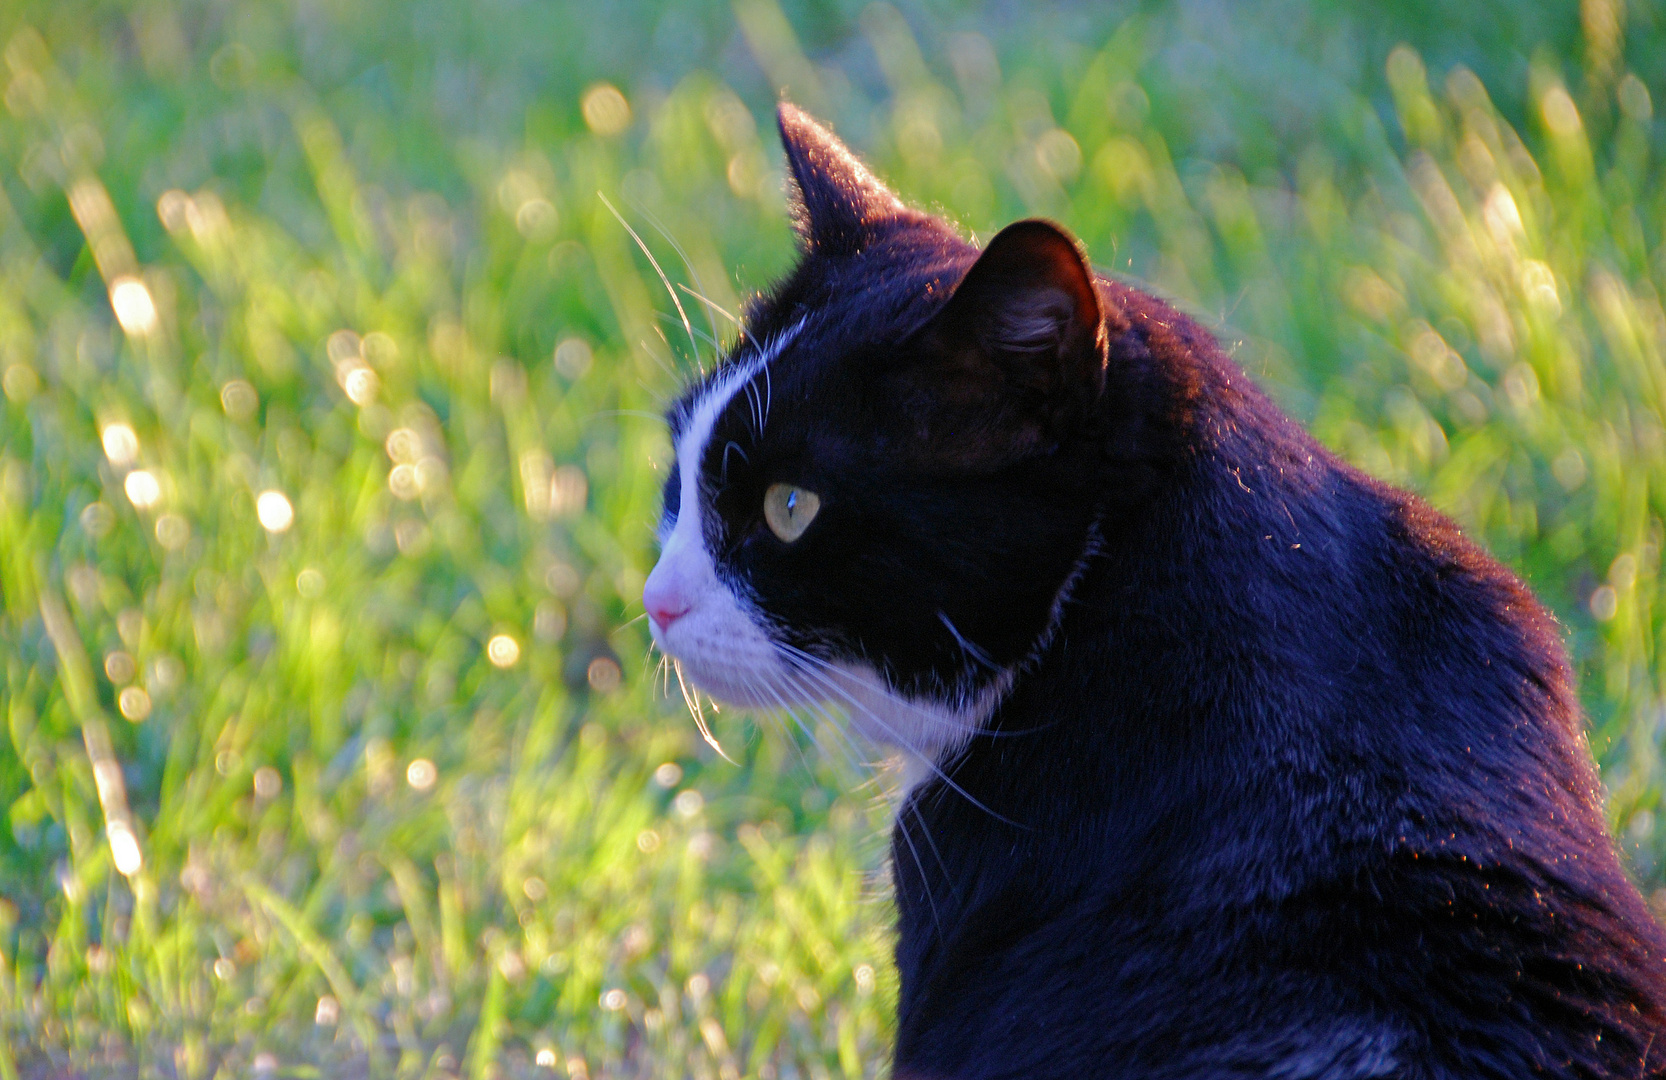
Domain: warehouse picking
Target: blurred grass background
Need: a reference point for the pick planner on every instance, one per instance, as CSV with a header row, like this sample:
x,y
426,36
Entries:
x,y
330,466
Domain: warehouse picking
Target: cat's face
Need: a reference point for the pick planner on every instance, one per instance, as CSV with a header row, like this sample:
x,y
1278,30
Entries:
x,y
879,496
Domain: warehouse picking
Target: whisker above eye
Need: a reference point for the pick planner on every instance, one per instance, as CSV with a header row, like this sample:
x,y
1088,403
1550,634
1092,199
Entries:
x,y
688,264
689,327
664,364
736,447
666,316
710,304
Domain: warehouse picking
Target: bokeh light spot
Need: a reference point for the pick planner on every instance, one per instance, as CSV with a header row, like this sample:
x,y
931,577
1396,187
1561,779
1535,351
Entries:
x,y
134,703
124,848
603,675
605,109
275,512
143,489
135,309
503,650
121,445
421,774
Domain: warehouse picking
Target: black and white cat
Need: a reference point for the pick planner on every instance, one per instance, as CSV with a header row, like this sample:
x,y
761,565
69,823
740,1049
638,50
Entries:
x,y
1230,760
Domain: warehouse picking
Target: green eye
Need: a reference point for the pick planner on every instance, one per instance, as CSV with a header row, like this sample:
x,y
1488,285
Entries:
x,y
789,510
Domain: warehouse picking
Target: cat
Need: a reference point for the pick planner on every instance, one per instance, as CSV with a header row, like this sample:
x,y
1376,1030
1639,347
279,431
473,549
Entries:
x,y
1229,760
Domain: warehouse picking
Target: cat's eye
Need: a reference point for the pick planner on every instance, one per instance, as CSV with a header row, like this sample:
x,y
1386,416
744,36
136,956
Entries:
x,y
788,510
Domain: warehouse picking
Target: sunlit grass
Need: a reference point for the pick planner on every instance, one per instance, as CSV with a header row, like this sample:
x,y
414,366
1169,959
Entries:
x,y
330,466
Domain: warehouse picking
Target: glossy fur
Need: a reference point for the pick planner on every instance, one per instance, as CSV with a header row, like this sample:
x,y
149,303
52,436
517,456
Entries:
x,y
1261,768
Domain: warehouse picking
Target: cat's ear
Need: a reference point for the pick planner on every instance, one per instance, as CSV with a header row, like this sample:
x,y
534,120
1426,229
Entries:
x,y
837,205
1021,340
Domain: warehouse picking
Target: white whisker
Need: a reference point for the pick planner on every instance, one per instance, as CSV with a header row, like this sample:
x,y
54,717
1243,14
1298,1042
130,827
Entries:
x,y
675,299
752,405
931,901
663,671
775,692
666,316
968,647
664,364
851,752
921,712
711,304
688,264
693,703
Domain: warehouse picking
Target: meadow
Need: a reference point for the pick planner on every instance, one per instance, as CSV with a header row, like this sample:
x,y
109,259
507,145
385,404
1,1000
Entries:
x,y
333,339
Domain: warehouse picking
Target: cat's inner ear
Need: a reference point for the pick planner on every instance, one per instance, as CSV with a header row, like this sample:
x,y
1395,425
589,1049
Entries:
x,y
1017,353
837,205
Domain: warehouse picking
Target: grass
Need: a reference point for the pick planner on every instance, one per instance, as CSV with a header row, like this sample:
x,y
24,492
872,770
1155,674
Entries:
x,y
329,468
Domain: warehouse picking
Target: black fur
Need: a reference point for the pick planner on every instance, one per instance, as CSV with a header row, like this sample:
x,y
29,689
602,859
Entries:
x,y
1290,780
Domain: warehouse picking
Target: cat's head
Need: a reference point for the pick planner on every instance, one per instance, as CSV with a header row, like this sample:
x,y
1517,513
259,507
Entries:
x,y
880,494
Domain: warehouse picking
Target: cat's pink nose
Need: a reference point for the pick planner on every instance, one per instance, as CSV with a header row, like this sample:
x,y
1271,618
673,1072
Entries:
x,y
665,603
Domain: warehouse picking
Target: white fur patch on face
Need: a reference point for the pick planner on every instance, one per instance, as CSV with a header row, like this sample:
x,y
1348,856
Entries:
x,y
717,642
722,645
